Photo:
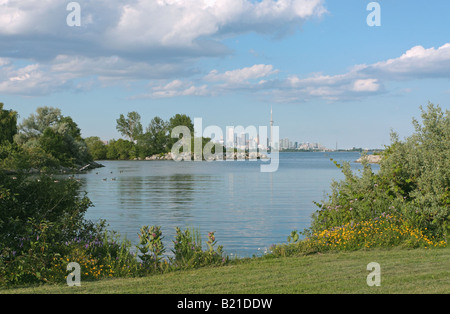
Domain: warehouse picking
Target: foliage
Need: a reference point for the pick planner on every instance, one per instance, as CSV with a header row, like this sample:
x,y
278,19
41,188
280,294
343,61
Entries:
x,y
188,251
37,215
55,144
97,149
179,120
381,232
411,187
34,126
120,150
8,124
43,199
151,247
130,126
52,136
156,138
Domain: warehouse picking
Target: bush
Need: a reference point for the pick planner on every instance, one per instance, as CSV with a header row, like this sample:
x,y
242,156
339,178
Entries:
x,y
151,248
188,251
37,215
412,185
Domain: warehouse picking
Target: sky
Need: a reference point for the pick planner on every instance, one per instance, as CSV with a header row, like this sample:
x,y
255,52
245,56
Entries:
x,y
327,74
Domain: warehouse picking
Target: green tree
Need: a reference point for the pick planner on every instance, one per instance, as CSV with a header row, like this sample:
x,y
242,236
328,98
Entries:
x,y
34,126
156,138
179,120
56,135
413,182
120,150
97,149
111,150
55,144
8,124
130,126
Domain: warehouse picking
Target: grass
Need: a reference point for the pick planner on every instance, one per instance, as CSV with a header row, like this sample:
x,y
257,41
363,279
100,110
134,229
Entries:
x,y
415,271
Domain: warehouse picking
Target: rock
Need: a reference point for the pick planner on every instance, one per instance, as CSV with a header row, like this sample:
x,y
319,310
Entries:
x,y
372,159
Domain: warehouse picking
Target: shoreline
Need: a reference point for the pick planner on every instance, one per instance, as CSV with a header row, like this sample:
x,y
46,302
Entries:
x,y
62,170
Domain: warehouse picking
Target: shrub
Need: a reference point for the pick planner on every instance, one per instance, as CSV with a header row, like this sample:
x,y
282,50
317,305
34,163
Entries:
x,y
412,185
151,248
381,232
188,251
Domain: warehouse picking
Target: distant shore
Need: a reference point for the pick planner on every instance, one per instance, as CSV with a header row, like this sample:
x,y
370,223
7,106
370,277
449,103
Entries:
x,y
192,156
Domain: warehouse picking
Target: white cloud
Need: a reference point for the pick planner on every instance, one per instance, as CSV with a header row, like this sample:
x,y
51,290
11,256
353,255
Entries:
x,y
361,81
365,80
135,39
367,85
176,88
145,29
163,40
31,79
417,62
242,75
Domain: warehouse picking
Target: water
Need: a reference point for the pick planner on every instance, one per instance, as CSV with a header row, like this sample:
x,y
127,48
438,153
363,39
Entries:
x,y
248,210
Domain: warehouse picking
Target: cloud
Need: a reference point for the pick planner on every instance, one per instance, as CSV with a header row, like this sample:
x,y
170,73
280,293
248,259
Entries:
x,y
368,85
134,39
214,83
175,88
31,79
160,43
142,29
366,80
417,62
359,82
242,75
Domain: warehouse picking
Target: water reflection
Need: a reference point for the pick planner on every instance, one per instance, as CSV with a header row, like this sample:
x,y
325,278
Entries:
x,y
246,208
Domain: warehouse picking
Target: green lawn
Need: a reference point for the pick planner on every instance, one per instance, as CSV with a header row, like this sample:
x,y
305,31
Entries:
x,y
402,271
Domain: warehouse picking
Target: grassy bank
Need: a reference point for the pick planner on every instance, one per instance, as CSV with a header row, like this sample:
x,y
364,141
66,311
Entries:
x,y
402,271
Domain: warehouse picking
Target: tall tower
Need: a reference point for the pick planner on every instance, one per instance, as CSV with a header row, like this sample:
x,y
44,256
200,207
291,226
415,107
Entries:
x,y
271,129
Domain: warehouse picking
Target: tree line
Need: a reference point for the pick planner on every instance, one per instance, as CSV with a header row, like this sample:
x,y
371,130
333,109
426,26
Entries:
x,y
139,144
47,139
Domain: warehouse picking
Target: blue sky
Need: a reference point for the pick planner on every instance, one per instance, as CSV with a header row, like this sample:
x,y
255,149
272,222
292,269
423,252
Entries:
x,y
328,75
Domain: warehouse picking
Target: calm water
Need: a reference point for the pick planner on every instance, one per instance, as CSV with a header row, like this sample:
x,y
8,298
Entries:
x,y
248,210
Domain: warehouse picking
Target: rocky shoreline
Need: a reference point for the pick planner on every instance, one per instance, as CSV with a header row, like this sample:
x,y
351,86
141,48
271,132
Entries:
x,y
371,159
235,156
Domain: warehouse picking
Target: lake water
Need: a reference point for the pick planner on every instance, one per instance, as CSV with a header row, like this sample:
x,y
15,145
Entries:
x,y
248,210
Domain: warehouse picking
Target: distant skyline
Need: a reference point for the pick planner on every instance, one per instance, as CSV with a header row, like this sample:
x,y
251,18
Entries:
x,y
327,74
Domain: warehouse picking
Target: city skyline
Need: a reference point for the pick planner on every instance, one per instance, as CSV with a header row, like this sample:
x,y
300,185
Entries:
x,y
330,73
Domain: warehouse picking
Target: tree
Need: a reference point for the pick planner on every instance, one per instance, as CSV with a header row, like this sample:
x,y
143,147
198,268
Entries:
x,y
34,126
131,126
412,183
8,124
179,120
56,135
120,149
55,144
96,148
66,125
156,139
